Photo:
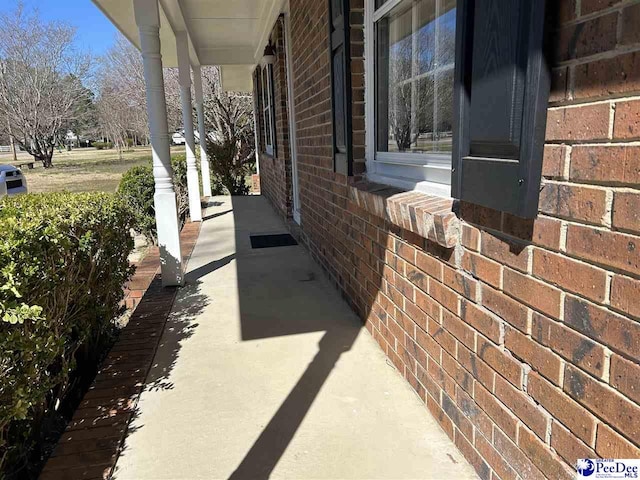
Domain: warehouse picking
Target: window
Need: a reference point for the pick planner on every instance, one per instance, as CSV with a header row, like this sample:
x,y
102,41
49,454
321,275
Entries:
x,y
413,51
267,108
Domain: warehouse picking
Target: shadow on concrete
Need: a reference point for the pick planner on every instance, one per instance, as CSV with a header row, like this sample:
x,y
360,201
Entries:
x,y
282,315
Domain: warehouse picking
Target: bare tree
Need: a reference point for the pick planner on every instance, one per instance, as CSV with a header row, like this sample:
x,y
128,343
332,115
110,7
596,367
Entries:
x,y
41,81
229,121
122,112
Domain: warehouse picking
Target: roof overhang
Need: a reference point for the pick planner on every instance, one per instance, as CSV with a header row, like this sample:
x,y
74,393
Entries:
x,y
229,33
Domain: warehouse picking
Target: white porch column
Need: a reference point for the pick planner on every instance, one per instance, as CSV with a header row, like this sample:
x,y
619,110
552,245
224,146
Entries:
x,y
204,158
184,76
148,21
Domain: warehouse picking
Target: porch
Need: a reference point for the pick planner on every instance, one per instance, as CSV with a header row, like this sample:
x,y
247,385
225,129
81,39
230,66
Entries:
x,y
262,370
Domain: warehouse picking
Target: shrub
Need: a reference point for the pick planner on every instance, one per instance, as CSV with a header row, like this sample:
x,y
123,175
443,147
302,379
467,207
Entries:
x,y
137,187
63,262
103,145
230,165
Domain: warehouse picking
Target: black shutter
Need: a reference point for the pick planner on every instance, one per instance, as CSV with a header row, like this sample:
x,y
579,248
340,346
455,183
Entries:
x,y
500,104
272,92
340,84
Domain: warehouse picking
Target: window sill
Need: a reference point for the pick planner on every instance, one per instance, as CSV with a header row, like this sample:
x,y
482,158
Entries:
x,y
429,216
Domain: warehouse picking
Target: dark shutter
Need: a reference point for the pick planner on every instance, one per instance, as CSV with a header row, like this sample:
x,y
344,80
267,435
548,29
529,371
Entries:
x,y
272,103
340,84
502,90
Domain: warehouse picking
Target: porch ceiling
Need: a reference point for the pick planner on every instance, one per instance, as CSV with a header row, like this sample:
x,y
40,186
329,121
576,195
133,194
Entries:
x,y
228,33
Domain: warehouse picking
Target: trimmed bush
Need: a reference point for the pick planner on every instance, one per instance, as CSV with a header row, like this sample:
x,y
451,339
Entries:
x,y
63,263
137,189
103,145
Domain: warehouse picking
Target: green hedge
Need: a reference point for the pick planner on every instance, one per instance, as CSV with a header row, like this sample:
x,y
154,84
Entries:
x,y
103,145
63,263
137,188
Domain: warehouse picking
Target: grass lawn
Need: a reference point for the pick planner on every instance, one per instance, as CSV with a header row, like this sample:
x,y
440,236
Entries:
x,y
84,169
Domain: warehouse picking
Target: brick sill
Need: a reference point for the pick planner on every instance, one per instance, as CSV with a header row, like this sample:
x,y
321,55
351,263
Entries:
x,y
429,216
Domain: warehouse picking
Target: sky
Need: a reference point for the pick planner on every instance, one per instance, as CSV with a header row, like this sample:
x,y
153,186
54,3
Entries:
x,y
95,32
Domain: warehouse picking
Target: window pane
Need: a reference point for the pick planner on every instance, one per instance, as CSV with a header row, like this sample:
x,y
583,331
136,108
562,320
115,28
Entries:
x,y
415,52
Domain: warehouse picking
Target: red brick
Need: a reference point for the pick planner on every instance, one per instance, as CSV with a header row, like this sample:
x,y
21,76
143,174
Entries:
x,y
529,351
479,369
591,6
427,342
606,327
525,409
563,408
482,268
444,338
494,459
568,446
479,215
417,278
444,421
629,25
587,38
461,283
625,292
548,462
501,361
553,161
459,329
516,457
610,444
505,307
626,211
462,378
584,204
444,296
457,417
625,377
473,457
578,349
534,293
442,378
626,124
480,420
618,164
429,264
605,402
416,315
501,415
609,76
558,91
470,237
481,320
507,252
407,252
588,122
611,249
543,231
571,275
427,304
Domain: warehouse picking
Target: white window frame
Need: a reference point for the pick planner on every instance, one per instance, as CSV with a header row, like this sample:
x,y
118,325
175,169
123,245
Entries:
x,y
267,107
426,172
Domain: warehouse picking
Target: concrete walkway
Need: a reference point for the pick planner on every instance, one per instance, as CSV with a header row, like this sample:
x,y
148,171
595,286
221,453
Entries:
x,y
263,371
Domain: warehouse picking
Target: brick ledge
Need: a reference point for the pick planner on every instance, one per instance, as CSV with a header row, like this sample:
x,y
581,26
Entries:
x,y
429,216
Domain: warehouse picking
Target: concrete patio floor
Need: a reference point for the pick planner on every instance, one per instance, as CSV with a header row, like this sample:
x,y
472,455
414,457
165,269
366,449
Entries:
x,y
263,371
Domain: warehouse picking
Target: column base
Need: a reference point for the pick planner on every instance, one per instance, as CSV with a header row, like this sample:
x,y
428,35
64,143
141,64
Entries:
x,y
169,239
193,185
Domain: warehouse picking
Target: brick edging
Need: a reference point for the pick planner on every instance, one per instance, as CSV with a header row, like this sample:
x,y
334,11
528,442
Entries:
x,y
92,441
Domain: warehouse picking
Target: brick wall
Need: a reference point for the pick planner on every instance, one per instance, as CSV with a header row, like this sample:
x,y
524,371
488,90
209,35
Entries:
x,y
523,340
275,170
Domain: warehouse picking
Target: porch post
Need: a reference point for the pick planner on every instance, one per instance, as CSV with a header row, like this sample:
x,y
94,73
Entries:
x,y
184,77
204,157
148,21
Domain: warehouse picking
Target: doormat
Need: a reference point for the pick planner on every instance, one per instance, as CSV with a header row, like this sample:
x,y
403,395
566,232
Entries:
x,y
276,240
